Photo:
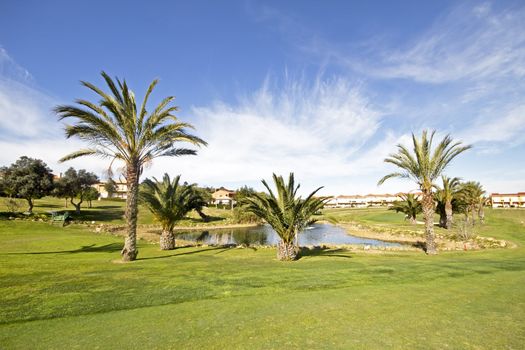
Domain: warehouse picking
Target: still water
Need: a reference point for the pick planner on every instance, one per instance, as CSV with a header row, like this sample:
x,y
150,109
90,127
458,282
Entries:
x,y
316,234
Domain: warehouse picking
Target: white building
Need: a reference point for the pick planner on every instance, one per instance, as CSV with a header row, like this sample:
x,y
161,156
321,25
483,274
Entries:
x,y
508,200
120,186
223,196
359,201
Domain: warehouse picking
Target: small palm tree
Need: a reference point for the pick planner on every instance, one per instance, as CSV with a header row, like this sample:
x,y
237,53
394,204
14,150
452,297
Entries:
x,y
117,129
471,194
169,202
444,197
424,165
409,205
285,212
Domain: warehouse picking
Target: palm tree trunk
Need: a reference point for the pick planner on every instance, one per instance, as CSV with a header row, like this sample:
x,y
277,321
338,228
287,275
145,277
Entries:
x,y
481,214
443,219
449,215
286,251
129,252
30,203
428,214
167,240
413,220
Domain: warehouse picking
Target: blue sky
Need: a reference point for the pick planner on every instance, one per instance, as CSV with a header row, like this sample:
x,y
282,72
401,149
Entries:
x,y
322,89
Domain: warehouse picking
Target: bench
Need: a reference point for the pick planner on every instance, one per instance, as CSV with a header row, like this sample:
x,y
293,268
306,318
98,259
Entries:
x,y
60,218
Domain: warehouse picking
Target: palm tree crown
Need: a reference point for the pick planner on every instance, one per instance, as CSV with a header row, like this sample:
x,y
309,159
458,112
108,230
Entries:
x,y
286,212
167,200
117,129
450,187
409,205
424,164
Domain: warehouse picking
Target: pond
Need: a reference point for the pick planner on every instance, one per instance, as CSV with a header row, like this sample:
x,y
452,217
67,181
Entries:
x,y
317,234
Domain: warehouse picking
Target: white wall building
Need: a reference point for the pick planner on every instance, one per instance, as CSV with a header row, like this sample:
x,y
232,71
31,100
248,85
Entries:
x,y
358,201
508,200
121,190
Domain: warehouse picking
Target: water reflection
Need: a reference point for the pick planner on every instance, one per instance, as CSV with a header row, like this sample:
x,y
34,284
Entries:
x,y
317,234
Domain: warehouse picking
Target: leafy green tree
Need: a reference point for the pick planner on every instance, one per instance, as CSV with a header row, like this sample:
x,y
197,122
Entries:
x,y
29,179
76,185
91,195
243,193
118,129
287,213
240,213
445,200
169,202
424,165
111,187
409,205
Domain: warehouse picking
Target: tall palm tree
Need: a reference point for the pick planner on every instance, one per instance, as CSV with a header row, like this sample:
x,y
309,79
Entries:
x,y
409,205
169,202
444,197
115,128
424,165
287,213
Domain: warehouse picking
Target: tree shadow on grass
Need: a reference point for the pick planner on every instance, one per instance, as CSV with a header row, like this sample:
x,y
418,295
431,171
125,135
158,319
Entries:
x,y
185,253
208,219
323,251
93,248
420,245
51,206
99,215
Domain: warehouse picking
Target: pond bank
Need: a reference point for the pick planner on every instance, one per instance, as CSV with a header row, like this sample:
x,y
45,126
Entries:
x,y
444,243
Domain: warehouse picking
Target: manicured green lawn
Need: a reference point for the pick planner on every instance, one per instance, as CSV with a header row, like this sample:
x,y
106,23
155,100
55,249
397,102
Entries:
x,y
60,288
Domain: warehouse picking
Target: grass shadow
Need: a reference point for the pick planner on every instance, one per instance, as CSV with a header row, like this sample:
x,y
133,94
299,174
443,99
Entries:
x,y
323,251
98,215
200,220
184,253
51,206
420,245
93,248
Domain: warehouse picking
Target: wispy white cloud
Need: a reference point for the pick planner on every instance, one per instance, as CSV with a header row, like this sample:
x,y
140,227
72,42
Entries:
x,y
472,43
9,69
316,130
28,126
506,127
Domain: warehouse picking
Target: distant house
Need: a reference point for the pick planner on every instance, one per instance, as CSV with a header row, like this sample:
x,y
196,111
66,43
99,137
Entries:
x,y
121,190
223,196
363,201
508,200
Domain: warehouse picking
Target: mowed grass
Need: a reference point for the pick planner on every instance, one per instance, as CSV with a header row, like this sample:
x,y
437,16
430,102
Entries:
x,y
61,288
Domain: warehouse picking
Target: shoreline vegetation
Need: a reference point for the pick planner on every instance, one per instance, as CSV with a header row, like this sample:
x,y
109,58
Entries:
x,y
390,228
409,240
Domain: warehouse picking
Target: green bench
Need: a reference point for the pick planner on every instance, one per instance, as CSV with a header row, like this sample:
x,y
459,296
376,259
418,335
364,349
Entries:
x,y
60,218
